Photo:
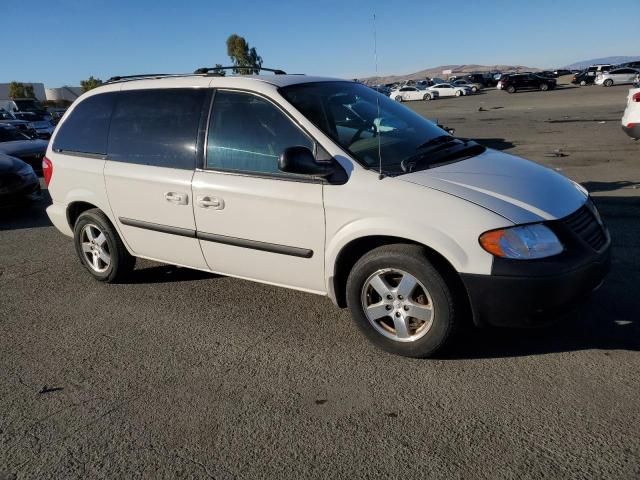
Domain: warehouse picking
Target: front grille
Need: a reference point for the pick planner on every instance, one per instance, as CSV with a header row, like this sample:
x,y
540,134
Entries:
x,y
584,224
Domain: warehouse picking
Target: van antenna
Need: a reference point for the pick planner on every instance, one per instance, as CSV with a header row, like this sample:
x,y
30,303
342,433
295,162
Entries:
x,y
375,57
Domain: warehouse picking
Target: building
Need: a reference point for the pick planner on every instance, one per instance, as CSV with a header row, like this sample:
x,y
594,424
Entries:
x,y
63,93
38,90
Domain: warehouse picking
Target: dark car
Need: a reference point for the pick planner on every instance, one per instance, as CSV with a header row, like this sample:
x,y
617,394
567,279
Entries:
x,y
40,122
484,79
583,78
24,126
526,81
17,144
561,72
17,179
547,74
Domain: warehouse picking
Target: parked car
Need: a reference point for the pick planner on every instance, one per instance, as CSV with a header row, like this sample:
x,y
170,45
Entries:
x,y
561,72
484,79
475,87
546,74
23,105
448,90
618,76
17,180
23,126
526,81
634,64
631,116
408,93
17,144
600,67
584,78
39,122
274,190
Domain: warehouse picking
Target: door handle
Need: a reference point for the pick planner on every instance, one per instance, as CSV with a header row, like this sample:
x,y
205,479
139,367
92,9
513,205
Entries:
x,y
215,203
177,198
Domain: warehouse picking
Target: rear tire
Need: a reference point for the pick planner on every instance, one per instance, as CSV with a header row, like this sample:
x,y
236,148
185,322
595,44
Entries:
x,y
582,83
426,97
100,248
458,93
544,87
511,89
608,82
398,99
474,89
419,288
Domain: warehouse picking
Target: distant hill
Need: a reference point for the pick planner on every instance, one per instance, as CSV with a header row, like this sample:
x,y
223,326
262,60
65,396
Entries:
x,y
611,60
437,72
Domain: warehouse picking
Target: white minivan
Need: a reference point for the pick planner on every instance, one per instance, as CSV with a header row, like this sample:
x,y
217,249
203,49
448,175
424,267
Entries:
x,y
324,186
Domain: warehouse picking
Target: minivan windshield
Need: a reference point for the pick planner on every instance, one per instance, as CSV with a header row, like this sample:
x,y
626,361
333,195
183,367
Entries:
x,y
370,126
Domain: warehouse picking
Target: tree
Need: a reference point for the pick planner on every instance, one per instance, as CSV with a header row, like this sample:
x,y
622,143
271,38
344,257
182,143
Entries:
x,y
218,70
90,83
243,56
16,90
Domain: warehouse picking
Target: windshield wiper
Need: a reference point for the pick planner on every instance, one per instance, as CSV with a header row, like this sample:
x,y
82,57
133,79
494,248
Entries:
x,y
437,156
439,140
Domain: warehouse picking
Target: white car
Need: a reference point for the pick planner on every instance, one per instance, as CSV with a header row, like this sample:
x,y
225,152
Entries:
x,y
631,116
448,90
292,180
408,93
617,76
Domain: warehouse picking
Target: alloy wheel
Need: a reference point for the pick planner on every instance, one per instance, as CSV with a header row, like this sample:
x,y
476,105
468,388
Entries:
x,y
397,305
95,248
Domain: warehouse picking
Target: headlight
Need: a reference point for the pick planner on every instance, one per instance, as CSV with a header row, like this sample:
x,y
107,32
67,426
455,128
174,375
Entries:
x,y
525,242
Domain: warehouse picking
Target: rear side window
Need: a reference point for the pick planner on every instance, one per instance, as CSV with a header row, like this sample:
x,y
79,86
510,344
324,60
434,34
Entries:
x,y
156,127
248,133
87,127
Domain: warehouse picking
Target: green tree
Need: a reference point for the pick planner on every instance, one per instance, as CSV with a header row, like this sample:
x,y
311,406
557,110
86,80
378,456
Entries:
x,y
28,91
90,83
244,58
16,90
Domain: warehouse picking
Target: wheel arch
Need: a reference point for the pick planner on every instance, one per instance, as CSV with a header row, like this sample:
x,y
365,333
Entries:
x,y
352,251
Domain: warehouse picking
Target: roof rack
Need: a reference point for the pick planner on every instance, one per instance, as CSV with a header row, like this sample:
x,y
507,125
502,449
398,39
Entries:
x,y
214,70
124,78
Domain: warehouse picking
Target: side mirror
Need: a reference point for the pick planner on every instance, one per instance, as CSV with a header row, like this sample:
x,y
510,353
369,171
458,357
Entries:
x,y
300,160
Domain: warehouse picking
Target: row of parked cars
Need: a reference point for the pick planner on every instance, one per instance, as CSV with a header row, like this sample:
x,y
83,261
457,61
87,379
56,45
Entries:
x,y
25,128
608,75
432,89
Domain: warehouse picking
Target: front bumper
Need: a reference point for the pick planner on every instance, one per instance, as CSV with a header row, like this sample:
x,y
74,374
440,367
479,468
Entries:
x,y
633,131
521,293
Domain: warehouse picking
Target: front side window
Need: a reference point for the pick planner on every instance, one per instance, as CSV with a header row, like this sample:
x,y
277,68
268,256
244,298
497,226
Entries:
x,y
248,133
156,127
377,129
85,129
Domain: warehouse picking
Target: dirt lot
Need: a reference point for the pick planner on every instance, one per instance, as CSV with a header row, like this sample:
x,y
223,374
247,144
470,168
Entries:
x,y
180,374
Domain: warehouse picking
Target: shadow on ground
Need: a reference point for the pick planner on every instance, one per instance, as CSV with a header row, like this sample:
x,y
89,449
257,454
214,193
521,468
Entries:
x,y
495,143
26,213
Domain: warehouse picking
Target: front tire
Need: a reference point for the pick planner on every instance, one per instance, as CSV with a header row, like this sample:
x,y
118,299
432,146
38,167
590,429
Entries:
x,y
398,99
100,248
474,89
426,97
583,83
458,93
608,82
511,89
400,301
544,87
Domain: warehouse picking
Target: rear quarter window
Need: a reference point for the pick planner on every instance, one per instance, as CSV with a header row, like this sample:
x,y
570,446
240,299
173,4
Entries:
x,y
86,128
156,127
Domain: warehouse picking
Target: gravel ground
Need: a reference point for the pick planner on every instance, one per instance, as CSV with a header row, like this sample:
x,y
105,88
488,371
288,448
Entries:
x,y
181,374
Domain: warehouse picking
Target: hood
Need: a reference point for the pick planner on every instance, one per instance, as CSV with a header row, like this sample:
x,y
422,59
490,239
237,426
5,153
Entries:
x,y
517,189
19,148
10,164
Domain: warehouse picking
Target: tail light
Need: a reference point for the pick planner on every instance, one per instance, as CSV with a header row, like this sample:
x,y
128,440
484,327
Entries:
x,y
636,97
47,170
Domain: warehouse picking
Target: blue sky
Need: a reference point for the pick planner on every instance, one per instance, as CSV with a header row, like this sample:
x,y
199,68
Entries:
x,y
64,41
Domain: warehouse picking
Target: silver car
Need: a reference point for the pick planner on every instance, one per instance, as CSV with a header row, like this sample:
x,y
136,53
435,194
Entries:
x,y
617,76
